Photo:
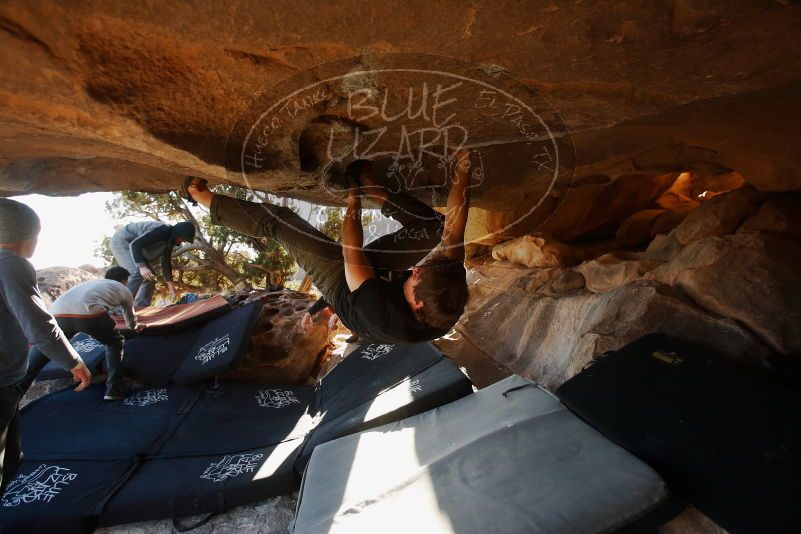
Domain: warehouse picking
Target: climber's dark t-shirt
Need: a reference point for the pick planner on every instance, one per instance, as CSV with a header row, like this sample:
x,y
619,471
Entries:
x,y
378,311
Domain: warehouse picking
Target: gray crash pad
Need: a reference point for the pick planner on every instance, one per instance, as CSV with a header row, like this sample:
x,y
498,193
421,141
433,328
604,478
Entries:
x,y
508,459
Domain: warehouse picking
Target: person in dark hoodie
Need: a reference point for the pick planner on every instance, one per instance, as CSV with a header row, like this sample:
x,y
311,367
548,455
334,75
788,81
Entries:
x,y
137,245
24,319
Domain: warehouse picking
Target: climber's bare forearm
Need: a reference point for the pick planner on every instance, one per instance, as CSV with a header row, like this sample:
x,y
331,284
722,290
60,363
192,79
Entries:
x,y
357,267
457,208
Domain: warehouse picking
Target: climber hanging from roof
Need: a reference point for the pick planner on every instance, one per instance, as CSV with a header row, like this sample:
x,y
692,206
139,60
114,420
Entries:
x,y
408,286
136,245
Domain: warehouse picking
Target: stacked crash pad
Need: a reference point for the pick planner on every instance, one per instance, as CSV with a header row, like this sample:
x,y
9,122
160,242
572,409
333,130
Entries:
x,y
508,459
725,437
192,355
173,451
91,350
176,335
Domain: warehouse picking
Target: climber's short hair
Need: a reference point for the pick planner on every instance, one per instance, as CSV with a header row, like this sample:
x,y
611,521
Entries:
x,y
442,288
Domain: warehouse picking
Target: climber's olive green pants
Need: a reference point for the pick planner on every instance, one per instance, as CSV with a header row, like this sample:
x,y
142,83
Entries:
x,y
319,255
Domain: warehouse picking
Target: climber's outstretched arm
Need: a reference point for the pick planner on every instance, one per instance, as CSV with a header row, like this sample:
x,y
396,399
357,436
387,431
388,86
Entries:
x,y
457,208
357,266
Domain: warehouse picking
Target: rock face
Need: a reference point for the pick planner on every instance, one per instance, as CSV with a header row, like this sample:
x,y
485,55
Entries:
x,y
535,251
751,277
280,352
734,290
53,281
117,96
721,215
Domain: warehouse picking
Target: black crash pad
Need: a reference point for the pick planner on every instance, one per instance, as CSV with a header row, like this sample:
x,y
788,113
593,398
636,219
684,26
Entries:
x,y
91,350
239,416
61,496
409,380
507,459
154,359
76,425
205,449
725,437
192,355
220,345
188,485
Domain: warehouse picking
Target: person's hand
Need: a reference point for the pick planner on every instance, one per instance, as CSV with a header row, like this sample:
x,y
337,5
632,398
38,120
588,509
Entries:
x,y
81,374
332,321
145,272
200,193
171,289
306,321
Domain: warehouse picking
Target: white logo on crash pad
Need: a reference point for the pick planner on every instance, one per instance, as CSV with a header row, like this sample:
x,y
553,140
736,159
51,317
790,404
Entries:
x,y
44,483
85,346
276,398
231,466
213,348
373,351
147,397
415,386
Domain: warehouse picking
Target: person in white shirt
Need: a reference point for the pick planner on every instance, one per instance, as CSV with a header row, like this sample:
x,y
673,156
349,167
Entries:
x,y
84,308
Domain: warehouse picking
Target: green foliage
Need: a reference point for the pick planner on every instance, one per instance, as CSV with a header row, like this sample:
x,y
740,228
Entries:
x,y
332,225
332,218
103,252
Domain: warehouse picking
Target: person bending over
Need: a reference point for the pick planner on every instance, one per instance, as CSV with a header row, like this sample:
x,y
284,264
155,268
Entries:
x,y
372,288
84,308
136,245
24,319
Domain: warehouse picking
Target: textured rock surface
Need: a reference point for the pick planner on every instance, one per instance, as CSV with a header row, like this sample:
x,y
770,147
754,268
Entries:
x,y
550,339
614,270
781,215
537,250
738,293
280,352
752,277
636,229
53,281
99,95
720,216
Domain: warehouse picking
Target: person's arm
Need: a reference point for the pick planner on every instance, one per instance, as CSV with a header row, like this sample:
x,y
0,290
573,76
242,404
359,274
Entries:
x,y
127,304
457,208
357,267
40,328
